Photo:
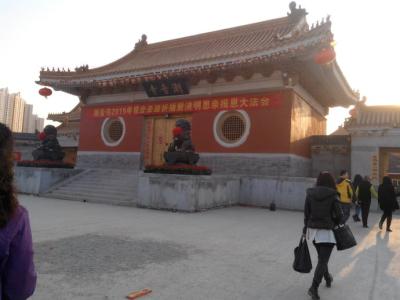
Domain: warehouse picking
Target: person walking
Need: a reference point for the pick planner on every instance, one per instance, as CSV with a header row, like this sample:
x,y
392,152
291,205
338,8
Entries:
x,y
365,191
345,190
17,271
322,212
356,182
387,202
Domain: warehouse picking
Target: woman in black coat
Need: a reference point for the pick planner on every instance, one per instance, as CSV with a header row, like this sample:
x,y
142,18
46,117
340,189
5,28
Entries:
x,y
387,202
322,212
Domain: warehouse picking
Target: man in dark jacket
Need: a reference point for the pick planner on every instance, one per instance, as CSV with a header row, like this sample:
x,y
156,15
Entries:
x,y
387,202
365,191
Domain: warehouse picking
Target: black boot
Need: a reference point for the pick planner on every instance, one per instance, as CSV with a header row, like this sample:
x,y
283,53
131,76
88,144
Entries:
x,y
313,292
329,280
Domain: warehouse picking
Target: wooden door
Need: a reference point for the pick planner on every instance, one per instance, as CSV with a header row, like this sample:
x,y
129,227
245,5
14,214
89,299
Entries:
x,y
158,132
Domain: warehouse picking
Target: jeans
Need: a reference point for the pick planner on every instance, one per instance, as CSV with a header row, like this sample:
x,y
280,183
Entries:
x,y
324,251
358,210
387,214
365,205
346,211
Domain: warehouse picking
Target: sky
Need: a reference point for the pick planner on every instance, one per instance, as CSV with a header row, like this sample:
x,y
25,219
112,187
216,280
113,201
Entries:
x,y
70,33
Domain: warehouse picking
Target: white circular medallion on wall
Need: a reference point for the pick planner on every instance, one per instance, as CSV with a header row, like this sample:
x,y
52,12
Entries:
x,y
113,131
231,128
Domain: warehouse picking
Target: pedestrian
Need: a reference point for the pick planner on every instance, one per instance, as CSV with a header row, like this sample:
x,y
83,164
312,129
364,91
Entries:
x,y
365,191
387,202
356,181
17,272
322,211
345,190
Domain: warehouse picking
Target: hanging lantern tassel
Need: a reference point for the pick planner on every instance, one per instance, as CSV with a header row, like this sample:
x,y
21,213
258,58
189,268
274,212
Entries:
x,y
325,56
45,92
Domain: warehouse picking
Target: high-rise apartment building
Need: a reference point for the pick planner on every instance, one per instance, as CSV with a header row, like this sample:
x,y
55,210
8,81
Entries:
x,y
39,123
18,115
29,120
3,104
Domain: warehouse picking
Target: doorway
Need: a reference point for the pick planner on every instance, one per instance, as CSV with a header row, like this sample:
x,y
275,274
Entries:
x,y
158,136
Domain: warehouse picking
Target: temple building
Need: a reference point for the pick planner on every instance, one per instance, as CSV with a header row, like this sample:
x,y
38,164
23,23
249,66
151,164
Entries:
x,y
375,141
254,94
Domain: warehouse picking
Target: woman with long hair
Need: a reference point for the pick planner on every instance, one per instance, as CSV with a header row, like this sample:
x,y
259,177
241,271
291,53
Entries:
x,y
387,202
322,212
17,272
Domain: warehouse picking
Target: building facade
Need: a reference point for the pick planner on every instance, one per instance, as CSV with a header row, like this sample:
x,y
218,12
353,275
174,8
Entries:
x,y
28,120
254,95
3,104
375,141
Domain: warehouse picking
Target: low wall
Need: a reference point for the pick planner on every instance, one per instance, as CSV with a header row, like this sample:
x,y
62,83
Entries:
x,y
285,192
108,160
38,180
195,193
260,164
187,192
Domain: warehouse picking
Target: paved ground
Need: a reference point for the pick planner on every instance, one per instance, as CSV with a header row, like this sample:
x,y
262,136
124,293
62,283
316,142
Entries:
x,y
93,251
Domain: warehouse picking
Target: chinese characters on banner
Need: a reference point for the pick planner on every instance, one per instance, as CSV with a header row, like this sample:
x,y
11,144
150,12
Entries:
x,y
186,106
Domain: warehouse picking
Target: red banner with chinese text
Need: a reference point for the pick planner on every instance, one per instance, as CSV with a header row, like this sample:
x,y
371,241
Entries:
x,y
187,106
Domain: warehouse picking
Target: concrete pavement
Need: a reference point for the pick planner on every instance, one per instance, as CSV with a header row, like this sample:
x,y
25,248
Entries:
x,y
95,251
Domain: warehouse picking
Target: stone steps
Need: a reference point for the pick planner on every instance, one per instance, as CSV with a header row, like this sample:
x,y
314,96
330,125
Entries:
x,y
118,187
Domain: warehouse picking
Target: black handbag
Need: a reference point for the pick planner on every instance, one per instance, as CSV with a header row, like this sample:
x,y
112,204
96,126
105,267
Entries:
x,y
344,237
302,260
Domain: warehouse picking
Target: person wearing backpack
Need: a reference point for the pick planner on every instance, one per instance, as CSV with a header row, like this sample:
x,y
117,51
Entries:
x,y
322,212
17,271
345,190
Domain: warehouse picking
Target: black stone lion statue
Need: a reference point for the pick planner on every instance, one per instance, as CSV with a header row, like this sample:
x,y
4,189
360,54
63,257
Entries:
x,y
50,149
181,150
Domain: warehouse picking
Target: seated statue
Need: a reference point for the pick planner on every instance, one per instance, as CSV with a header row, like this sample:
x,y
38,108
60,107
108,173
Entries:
x,y
50,149
181,150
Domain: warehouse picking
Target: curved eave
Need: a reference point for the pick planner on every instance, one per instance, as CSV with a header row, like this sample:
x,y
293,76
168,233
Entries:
x,y
337,91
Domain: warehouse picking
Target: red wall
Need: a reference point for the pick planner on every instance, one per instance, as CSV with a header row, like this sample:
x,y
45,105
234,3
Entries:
x,y
90,134
305,122
270,130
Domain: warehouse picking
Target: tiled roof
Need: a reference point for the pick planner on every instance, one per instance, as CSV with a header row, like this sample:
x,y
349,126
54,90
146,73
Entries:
x,y
259,41
73,115
375,116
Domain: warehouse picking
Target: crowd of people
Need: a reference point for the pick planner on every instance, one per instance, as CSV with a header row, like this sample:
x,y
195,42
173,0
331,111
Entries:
x,y
329,204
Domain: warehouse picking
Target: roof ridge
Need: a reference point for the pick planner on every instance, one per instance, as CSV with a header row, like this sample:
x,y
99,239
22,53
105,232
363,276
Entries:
x,y
237,30
161,45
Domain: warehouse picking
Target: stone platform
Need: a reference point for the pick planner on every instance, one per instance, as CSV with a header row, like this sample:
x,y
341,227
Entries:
x,y
38,180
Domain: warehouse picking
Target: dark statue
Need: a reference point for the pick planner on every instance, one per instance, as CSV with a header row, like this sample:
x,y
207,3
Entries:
x,y
50,149
181,150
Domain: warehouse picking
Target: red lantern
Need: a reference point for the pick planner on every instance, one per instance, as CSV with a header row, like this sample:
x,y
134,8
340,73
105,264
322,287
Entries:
x,y
45,92
325,56
177,131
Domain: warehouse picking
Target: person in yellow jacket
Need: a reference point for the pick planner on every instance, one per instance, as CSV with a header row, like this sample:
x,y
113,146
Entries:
x,y
345,189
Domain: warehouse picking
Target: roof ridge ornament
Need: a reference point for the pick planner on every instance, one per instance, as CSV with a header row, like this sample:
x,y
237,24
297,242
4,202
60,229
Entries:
x,y
296,11
141,43
82,68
